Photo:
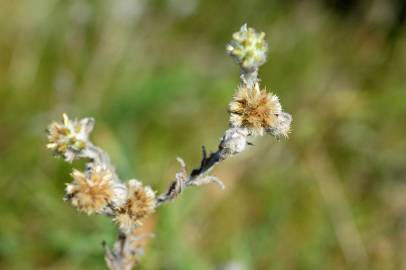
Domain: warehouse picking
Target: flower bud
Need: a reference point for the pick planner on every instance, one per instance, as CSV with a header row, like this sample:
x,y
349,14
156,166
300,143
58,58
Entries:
x,y
248,48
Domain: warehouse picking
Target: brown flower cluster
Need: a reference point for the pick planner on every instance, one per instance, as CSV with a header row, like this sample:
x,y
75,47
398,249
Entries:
x,y
140,203
254,109
92,191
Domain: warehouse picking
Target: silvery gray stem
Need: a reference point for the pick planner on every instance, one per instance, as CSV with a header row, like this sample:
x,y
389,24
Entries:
x,y
249,77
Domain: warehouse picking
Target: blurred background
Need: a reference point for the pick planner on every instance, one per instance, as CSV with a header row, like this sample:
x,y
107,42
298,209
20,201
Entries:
x,y
155,75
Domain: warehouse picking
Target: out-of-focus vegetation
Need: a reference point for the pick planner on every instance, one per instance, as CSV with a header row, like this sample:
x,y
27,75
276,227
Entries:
x,y
155,76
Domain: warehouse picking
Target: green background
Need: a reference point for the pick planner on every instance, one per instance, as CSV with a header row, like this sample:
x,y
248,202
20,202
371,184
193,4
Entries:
x,y
155,76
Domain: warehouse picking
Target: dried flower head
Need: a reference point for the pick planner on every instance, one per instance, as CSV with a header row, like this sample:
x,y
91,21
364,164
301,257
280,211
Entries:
x,y
69,138
254,109
248,48
92,191
140,203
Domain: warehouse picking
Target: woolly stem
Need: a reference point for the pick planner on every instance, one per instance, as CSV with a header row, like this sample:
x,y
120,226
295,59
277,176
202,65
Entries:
x,y
249,77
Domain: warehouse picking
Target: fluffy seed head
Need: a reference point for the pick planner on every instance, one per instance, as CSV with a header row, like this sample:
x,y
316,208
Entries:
x,y
254,109
248,48
281,127
92,191
140,203
68,138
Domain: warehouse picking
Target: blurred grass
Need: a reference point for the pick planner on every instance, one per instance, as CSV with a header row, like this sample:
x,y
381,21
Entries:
x,y
155,77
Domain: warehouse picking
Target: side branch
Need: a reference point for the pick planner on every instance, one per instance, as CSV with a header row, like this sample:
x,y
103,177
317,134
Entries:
x,y
207,162
233,142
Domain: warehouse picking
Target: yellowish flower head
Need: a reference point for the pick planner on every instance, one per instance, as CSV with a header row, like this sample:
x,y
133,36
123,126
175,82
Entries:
x,y
69,137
